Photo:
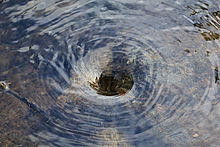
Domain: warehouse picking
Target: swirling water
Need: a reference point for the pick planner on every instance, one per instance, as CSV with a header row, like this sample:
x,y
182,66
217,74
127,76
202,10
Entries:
x,y
52,50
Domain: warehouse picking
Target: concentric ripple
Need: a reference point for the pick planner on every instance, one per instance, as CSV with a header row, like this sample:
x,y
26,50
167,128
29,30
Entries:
x,y
121,73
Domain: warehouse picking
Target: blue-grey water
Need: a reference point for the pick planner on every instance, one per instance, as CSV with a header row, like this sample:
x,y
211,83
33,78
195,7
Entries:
x,y
52,50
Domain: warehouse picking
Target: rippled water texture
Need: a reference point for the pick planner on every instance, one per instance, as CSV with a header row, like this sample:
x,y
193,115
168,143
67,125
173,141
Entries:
x,y
161,56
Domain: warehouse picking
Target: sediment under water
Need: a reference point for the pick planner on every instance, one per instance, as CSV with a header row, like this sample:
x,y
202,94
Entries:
x,y
162,57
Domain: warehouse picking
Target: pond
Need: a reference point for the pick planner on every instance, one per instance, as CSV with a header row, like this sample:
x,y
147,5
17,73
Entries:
x,y
110,73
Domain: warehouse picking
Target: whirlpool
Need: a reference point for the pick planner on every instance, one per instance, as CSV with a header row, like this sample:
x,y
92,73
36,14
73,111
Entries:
x,y
109,73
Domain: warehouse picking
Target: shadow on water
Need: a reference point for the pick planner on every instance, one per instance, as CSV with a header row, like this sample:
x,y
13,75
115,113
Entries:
x,y
109,73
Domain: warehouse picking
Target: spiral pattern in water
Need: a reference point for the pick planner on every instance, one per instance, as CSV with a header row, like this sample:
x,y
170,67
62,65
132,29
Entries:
x,y
164,56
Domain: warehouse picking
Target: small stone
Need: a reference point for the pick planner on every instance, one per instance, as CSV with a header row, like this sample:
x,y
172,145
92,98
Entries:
x,y
187,50
4,85
195,135
208,52
214,101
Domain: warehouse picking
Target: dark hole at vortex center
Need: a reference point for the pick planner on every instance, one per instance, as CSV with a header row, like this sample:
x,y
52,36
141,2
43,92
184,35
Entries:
x,y
113,83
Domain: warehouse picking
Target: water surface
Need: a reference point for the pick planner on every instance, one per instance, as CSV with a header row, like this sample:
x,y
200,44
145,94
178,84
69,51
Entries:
x,y
166,51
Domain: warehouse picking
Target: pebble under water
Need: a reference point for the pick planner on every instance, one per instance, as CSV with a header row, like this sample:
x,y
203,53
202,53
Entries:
x,y
110,73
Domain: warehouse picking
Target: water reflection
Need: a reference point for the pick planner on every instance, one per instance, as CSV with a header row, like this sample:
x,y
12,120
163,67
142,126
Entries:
x,y
207,20
163,55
